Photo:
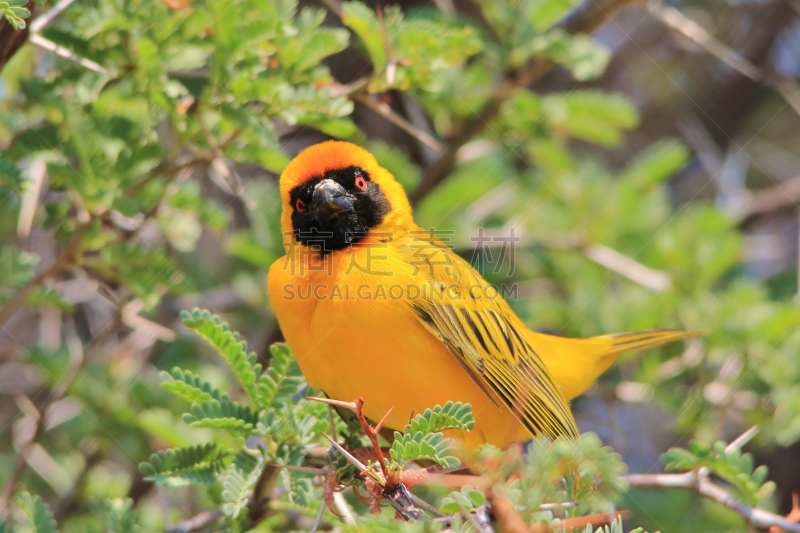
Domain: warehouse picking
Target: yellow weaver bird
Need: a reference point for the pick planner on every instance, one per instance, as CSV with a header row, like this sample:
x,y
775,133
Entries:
x,y
373,306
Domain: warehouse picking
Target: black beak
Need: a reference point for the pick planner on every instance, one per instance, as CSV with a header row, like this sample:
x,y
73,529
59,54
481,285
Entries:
x,y
330,200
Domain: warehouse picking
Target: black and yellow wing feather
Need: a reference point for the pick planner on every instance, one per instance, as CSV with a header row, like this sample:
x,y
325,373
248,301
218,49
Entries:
x,y
479,328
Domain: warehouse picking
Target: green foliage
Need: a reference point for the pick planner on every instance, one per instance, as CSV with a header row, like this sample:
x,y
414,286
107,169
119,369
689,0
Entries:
x,y
731,465
276,419
15,12
120,516
559,471
422,438
240,479
193,388
281,379
179,144
225,414
38,515
419,446
230,347
451,416
466,500
418,48
181,466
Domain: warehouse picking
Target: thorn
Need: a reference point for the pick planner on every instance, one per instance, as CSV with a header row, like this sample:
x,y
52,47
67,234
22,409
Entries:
x,y
742,439
380,424
411,416
373,436
358,464
338,403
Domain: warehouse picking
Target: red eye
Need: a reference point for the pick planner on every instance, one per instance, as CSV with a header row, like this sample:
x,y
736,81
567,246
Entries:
x,y
361,183
300,205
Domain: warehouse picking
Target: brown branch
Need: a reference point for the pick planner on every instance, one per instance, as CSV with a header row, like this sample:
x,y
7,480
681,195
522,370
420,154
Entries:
x,y
12,39
66,258
783,195
675,20
587,17
386,112
63,261
699,482
196,523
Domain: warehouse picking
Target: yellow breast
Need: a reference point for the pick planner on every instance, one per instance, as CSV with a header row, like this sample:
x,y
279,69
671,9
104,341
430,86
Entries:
x,y
352,338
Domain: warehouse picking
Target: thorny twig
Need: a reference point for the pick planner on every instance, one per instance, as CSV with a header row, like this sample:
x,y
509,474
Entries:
x,y
698,481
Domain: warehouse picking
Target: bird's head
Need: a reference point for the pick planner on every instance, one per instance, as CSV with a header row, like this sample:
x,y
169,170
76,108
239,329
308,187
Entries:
x,y
335,194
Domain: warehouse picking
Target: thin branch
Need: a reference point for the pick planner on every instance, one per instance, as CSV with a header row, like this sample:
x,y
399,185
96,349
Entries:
x,y
231,178
649,278
742,439
196,523
386,112
580,522
47,44
306,469
63,261
680,23
699,482
45,19
343,508
318,519
784,194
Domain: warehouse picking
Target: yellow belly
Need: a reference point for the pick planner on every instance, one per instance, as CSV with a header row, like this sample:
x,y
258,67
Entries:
x,y
376,349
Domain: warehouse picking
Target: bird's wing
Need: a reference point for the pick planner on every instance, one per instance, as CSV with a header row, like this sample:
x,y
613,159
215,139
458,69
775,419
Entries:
x,y
468,315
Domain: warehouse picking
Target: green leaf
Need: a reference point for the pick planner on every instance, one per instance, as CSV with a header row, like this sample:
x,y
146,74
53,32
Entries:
x,y
243,474
230,347
419,446
279,383
364,22
222,414
38,515
313,42
591,116
193,388
452,416
543,14
120,516
656,164
200,464
584,56
680,459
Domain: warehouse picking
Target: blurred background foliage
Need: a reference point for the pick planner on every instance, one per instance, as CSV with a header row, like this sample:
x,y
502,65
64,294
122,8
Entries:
x,y
644,155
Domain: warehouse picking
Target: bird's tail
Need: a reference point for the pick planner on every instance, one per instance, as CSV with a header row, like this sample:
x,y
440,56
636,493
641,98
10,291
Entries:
x,y
616,343
574,364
